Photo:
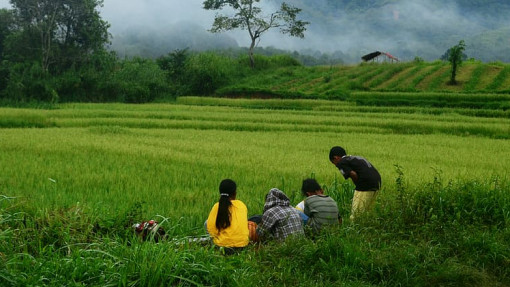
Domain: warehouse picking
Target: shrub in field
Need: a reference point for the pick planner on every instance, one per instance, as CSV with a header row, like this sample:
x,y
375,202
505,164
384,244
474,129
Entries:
x,y
418,60
466,203
206,72
137,81
86,83
28,82
174,65
455,56
82,86
272,62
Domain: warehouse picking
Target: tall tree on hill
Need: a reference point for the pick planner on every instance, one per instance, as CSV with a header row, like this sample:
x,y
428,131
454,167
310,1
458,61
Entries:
x,y
249,17
455,58
6,27
57,33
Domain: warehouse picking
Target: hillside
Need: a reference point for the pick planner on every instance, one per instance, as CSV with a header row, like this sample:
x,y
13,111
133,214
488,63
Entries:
x,y
479,85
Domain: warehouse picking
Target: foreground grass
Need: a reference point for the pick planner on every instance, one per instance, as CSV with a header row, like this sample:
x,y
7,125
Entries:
x,y
453,234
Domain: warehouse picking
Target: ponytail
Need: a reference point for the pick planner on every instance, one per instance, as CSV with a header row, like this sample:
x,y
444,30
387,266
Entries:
x,y
227,189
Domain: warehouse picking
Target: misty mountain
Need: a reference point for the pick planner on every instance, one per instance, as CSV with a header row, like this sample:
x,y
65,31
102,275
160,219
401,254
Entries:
x,y
153,42
409,28
350,28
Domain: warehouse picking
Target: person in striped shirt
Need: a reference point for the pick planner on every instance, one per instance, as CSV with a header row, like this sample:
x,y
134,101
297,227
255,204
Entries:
x,y
321,209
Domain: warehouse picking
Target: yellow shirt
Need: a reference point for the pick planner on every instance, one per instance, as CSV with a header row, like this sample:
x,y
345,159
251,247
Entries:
x,y
236,235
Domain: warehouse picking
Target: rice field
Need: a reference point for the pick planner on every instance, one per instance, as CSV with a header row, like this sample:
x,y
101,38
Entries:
x,y
344,82
170,158
74,178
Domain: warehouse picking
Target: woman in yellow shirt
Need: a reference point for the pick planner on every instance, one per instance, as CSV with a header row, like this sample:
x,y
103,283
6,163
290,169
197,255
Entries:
x,y
227,223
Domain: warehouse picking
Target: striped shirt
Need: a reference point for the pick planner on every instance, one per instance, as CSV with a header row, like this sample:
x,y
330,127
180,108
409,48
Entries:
x,y
322,210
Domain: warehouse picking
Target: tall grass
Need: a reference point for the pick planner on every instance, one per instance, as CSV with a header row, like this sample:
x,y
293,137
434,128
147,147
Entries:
x,y
444,233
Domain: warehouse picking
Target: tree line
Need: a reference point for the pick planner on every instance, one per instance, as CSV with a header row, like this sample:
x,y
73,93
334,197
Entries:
x,y
57,51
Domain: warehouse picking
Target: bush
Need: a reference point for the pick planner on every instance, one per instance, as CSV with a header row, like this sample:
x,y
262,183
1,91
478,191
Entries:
x,y
174,64
273,62
28,82
138,81
206,72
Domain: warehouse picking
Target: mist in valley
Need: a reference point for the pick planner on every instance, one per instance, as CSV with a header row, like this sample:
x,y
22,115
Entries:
x,y
406,29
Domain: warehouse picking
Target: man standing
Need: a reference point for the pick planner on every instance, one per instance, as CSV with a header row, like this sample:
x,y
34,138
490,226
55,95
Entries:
x,y
365,176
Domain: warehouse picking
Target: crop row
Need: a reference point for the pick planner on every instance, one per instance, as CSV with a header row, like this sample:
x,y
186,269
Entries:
x,y
440,100
336,82
238,119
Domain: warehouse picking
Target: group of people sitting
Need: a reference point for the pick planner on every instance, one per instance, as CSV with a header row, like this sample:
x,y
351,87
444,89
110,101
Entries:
x,y
229,226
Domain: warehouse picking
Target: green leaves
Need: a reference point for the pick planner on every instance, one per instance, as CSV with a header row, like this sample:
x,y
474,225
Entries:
x,y
248,17
455,58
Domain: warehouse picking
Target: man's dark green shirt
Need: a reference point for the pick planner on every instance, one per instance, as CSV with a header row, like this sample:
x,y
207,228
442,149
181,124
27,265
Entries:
x,y
322,210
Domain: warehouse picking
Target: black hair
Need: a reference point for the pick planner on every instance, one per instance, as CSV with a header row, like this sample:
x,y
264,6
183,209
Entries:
x,y
227,189
310,185
336,151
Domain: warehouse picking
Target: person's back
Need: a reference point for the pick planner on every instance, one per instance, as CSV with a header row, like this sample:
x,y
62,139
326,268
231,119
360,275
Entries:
x,y
279,220
227,223
235,235
365,176
368,179
321,209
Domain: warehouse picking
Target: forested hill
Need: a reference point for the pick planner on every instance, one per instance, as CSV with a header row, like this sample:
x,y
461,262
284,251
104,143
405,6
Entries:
x,y
409,28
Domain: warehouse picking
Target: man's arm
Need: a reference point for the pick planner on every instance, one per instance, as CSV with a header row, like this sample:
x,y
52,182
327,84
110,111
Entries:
x,y
354,176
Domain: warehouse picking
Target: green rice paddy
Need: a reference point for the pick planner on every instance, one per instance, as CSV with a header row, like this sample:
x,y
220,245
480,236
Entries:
x,y
73,179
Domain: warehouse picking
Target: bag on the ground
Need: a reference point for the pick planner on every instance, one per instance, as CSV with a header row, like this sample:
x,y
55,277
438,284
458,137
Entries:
x,y
149,230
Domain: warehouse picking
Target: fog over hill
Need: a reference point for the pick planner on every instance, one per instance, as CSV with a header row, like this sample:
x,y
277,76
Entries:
x,y
404,28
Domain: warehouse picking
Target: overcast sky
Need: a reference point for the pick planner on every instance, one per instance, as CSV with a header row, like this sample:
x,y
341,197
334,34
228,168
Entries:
x,y
346,35
123,14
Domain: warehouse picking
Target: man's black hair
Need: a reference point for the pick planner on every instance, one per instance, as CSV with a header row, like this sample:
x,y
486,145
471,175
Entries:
x,y
310,185
336,150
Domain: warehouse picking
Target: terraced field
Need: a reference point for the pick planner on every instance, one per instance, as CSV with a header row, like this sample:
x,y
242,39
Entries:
x,y
181,150
340,81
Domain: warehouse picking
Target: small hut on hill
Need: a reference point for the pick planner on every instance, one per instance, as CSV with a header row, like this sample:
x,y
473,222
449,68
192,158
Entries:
x,y
378,56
